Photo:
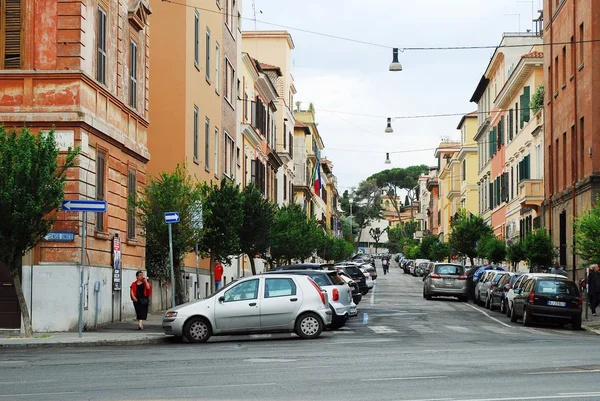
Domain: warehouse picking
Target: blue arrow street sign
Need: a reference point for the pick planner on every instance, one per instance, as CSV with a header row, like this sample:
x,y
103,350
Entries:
x,y
84,205
171,217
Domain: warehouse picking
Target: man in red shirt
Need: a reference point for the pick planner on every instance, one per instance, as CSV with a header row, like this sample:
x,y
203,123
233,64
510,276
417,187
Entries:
x,y
218,272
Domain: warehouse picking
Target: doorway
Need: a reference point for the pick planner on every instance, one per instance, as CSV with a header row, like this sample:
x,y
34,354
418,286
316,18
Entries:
x,y
10,315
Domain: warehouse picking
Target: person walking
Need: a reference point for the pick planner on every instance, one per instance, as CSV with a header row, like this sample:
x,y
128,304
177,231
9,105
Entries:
x,y
218,272
140,293
594,287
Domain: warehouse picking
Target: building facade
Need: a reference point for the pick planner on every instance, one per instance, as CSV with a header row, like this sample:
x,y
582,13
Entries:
x,y
571,133
59,69
448,187
467,163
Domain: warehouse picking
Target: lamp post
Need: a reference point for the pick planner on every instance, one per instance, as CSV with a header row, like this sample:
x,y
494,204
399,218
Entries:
x,y
351,200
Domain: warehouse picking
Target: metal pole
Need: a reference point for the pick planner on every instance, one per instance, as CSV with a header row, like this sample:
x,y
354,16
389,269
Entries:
x,y
83,234
172,272
197,273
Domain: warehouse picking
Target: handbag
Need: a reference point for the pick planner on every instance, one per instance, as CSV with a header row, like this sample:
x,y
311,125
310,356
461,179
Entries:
x,y
144,301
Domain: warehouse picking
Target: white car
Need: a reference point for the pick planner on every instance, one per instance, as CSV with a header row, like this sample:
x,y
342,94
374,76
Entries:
x,y
254,304
370,282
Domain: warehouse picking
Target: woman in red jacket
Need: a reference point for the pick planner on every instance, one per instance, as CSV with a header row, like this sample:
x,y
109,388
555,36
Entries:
x,y
140,293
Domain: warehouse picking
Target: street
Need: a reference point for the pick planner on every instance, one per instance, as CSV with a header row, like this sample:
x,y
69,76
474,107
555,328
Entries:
x,y
404,348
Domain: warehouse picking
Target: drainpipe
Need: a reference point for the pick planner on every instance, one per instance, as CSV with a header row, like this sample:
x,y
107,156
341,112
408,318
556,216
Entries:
x,y
573,140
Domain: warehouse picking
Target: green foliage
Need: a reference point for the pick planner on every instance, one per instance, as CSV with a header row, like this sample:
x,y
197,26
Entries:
x,y
32,181
255,231
439,251
366,206
515,253
292,234
539,251
587,235
467,230
169,192
427,243
223,215
412,251
492,249
376,233
537,100
400,235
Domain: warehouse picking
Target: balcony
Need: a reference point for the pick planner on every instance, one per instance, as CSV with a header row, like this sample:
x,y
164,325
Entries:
x,y
285,152
531,193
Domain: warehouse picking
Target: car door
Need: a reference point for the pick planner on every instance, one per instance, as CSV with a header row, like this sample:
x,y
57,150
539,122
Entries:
x,y
238,309
521,296
280,303
513,291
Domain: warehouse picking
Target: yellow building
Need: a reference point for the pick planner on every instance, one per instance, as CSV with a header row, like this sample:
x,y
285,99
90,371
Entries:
x,y
467,164
331,197
449,186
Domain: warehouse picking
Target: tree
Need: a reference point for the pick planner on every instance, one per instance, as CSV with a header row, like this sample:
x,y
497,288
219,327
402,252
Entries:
x,y
376,234
366,206
291,234
492,249
515,253
412,251
169,192
439,251
342,249
587,235
255,231
32,181
223,215
467,230
539,250
396,179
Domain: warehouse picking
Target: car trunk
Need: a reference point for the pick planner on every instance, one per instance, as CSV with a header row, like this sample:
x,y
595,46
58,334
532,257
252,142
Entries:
x,y
556,293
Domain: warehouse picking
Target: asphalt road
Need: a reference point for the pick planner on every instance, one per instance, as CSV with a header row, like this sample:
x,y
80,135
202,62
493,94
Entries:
x,y
404,348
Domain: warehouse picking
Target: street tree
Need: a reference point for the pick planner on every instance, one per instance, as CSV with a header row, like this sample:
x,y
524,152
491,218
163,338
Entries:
x,y
291,234
168,192
491,248
223,215
366,206
515,253
539,250
32,180
587,235
412,251
255,231
467,230
439,251
376,233
395,180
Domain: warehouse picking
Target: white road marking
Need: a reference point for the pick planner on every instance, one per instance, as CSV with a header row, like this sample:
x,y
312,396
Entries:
x,y
39,394
403,378
231,385
459,329
520,398
422,329
491,317
382,329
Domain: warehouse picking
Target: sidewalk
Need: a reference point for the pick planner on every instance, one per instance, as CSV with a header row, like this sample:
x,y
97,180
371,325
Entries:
x,y
592,324
113,334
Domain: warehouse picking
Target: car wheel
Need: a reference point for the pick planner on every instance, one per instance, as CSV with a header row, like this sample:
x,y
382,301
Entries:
x,y
492,307
463,299
513,314
337,322
503,307
309,326
428,297
576,323
526,318
197,330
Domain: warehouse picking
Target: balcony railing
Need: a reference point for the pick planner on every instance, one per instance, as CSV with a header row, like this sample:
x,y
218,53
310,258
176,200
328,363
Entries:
x,y
531,193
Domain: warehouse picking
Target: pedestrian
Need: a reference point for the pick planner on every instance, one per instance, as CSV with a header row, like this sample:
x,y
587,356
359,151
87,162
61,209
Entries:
x,y
594,287
218,272
557,269
140,293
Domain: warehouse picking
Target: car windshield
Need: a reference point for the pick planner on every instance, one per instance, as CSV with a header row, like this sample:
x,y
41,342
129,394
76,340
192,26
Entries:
x,y
335,278
514,278
320,279
353,270
449,269
497,278
556,287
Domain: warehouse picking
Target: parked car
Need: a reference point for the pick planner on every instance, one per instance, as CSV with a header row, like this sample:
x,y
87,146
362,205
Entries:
x,y
446,279
483,286
490,286
339,293
512,292
356,295
357,275
549,299
498,294
370,282
260,303
300,266
470,272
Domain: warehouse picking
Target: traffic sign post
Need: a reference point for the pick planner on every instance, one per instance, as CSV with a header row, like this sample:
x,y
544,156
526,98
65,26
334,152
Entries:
x,y
171,218
84,206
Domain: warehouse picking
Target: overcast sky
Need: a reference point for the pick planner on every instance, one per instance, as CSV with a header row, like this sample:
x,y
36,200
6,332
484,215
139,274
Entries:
x,y
343,76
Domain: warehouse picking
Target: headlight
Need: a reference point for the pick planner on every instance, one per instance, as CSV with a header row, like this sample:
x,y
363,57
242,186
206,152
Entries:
x,y
171,314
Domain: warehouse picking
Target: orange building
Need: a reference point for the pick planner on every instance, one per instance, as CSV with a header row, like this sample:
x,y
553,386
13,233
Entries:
x,y
83,69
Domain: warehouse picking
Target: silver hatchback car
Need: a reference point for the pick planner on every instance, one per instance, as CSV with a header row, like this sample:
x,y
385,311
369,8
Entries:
x,y
254,304
446,279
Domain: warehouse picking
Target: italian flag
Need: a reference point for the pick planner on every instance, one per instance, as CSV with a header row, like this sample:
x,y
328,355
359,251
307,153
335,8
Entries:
x,y
317,178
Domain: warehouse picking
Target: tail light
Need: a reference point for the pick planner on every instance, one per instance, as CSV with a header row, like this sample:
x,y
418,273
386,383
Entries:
x,y
336,294
435,275
318,289
462,277
531,297
580,303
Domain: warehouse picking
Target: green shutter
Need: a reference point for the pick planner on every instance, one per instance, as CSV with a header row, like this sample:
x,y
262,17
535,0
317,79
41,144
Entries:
x,y
510,125
491,143
526,103
491,197
516,118
527,163
501,132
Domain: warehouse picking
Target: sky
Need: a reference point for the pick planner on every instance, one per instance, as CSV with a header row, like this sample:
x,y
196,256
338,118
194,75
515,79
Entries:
x,y
351,88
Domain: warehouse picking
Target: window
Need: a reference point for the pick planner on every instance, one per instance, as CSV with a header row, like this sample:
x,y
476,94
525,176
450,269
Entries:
x,y
229,81
510,125
246,106
195,134
575,161
556,74
101,38
229,15
217,63
216,151
243,291
581,147
564,160
207,143
197,39
581,45
208,54
133,64
464,170
10,34
131,192
284,187
564,65
229,155
516,118
279,287
100,186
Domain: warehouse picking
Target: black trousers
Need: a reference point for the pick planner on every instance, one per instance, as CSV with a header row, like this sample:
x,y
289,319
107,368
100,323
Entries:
x,y
594,300
141,311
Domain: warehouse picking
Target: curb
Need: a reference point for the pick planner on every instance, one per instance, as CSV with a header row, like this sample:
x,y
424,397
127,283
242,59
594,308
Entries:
x,y
101,343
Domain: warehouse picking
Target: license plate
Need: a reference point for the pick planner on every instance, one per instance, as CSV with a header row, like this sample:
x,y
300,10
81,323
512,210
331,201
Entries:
x,y
448,280
556,303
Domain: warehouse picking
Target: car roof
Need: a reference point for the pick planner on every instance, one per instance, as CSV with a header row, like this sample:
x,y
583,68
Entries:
x,y
303,272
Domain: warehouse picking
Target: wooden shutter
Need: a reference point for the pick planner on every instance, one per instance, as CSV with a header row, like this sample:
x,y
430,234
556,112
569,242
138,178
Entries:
x,y
13,26
525,104
516,118
510,125
131,192
100,179
491,198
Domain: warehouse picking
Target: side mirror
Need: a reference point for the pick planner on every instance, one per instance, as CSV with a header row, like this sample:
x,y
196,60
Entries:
x,y
221,299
